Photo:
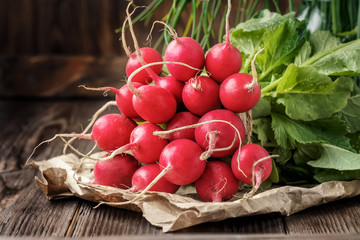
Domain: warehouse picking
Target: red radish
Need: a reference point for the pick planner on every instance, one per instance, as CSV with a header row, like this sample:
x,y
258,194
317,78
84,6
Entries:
x,y
181,162
217,183
223,59
186,50
146,174
116,172
172,85
168,83
123,99
201,95
109,132
148,55
217,135
181,165
145,146
251,164
112,131
152,103
240,92
179,120
211,148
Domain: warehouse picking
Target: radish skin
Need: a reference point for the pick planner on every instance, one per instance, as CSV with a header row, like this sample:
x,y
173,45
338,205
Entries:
x,y
116,172
217,183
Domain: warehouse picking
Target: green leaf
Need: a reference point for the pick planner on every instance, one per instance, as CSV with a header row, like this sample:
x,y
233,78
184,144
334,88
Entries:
x,y
248,36
261,109
303,54
351,113
355,141
306,153
282,43
262,128
308,95
289,133
322,41
284,155
333,157
327,175
343,59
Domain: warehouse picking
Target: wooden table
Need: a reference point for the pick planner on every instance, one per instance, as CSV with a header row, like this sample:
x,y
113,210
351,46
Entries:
x,y
26,212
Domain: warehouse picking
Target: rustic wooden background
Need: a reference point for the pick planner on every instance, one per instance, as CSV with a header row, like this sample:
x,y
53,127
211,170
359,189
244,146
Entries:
x,y
50,47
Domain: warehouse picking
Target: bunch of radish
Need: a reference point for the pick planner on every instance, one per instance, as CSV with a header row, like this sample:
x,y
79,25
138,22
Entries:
x,y
181,128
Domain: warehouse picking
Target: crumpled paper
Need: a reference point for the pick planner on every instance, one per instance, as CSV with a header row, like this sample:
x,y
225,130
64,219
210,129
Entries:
x,y
67,175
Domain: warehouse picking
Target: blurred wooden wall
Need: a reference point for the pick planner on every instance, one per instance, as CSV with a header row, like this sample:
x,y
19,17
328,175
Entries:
x,y
50,47
29,27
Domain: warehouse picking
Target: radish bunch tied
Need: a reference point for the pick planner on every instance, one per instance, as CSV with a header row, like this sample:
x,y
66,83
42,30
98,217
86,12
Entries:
x,y
183,127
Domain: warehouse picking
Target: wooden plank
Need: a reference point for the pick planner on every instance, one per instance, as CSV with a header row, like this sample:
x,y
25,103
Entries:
x,y
33,27
59,76
337,217
25,211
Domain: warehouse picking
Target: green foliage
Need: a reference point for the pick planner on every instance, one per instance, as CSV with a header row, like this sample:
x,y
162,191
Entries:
x,y
309,111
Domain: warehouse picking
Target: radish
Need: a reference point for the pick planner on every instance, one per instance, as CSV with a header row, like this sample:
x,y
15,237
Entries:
x,y
223,59
181,162
252,164
123,99
217,183
179,120
217,135
211,149
109,132
201,95
168,83
148,55
146,174
145,146
186,50
240,92
181,165
152,103
116,172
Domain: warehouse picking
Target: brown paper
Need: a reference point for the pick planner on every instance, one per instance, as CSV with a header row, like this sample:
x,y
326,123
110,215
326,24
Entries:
x,y
68,175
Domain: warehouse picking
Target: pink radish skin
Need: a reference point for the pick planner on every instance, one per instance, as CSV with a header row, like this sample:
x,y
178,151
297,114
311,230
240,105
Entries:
x,y
249,154
182,119
124,101
154,104
201,95
145,146
217,183
172,85
146,174
116,172
223,133
181,162
223,59
185,50
112,131
236,95
149,55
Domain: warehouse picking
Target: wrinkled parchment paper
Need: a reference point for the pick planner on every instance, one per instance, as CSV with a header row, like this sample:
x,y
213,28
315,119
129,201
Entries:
x,y
67,175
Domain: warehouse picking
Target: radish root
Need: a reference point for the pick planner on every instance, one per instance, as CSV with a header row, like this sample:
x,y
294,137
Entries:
x,y
256,177
142,193
93,119
251,85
